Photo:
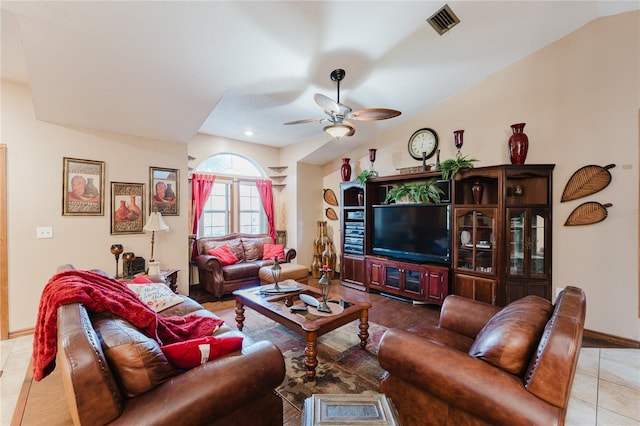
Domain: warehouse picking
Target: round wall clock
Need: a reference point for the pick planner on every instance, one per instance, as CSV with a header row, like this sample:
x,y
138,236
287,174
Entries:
x,y
423,140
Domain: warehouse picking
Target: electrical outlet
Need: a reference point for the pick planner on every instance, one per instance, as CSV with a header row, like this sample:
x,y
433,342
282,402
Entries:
x,y
44,232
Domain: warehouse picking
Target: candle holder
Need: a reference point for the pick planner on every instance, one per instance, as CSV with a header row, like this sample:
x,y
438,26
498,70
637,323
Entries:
x,y
116,250
325,285
458,139
127,259
275,272
372,156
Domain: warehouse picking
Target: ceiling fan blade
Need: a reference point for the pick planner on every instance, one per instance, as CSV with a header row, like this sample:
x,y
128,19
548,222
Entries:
x,y
326,103
373,114
307,120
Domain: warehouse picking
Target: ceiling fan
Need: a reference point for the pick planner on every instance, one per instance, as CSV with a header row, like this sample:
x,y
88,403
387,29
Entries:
x,y
337,113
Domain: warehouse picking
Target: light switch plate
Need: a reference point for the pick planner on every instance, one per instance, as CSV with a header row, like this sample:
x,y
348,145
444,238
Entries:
x,y
44,232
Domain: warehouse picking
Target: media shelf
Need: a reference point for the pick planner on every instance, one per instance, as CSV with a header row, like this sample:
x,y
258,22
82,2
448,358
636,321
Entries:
x,y
353,232
500,244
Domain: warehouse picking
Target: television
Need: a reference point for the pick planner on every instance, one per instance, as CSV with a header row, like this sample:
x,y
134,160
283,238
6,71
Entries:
x,y
413,232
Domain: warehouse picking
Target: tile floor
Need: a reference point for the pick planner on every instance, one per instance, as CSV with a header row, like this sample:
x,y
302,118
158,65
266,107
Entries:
x,y
606,388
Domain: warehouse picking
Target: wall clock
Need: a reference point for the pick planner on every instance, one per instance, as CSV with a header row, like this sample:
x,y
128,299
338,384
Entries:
x,y
423,140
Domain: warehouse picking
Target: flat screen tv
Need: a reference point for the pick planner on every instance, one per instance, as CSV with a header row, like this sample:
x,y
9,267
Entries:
x,y
413,232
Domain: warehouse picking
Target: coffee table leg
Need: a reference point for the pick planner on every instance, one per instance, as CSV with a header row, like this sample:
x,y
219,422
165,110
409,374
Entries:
x,y
239,314
311,354
364,327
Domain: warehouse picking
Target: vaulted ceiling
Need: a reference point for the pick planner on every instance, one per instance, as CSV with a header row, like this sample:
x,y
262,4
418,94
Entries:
x,y
167,70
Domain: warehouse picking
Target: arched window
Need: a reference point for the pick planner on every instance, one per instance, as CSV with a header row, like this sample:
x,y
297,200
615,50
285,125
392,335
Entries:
x,y
234,204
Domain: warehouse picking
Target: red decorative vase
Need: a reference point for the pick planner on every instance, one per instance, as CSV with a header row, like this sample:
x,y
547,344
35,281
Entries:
x,y
518,144
345,170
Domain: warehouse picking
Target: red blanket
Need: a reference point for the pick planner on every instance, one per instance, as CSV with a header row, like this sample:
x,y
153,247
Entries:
x,y
99,293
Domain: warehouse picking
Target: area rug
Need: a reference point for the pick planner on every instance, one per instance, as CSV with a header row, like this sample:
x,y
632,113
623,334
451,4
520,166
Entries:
x,y
343,366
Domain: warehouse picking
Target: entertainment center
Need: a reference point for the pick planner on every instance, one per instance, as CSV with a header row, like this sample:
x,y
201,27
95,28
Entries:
x,y
489,238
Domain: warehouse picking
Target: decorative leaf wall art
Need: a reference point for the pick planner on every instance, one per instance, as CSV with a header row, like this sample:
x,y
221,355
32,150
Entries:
x,y
587,181
588,213
330,197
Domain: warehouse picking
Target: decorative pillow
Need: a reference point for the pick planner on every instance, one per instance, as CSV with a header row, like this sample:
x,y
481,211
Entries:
x,y
187,354
141,279
224,254
136,360
509,339
156,296
272,250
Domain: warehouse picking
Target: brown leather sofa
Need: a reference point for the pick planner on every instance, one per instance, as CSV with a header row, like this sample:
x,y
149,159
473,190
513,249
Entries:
x,y
483,365
113,374
248,248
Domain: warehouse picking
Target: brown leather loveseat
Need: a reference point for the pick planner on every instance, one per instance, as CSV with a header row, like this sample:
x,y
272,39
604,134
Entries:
x,y
114,374
483,365
247,248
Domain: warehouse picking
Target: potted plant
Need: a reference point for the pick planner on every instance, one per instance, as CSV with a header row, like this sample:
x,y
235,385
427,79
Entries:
x,y
423,192
365,175
450,167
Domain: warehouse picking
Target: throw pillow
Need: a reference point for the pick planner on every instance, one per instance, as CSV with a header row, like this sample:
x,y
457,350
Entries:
x,y
272,250
156,296
187,354
141,279
224,255
136,360
509,339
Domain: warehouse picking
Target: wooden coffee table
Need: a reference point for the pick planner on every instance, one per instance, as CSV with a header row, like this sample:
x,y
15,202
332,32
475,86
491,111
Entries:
x,y
278,308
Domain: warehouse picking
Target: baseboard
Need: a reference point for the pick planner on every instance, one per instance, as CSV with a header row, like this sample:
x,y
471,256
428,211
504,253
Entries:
x,y
20,333
611,340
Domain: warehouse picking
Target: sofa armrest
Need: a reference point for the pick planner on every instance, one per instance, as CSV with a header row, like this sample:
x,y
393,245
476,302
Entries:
x,y
289,254
208,263
462,381
465,316
210,391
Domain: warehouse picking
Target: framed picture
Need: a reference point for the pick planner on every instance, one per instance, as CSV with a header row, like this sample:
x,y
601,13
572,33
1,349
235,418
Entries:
x,y
127,208
164,190
82,187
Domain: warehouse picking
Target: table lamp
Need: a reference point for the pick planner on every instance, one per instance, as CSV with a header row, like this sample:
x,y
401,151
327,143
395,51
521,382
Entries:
x,y
154,224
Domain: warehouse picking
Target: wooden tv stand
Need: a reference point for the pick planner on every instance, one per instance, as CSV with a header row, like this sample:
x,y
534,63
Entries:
x,y
422,282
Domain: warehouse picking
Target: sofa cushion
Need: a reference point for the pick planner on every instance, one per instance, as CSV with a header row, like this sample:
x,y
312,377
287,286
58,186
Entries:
x,y
270,251
235,244
224,254
510,337
137,361
188,354
241,271
156,296
253,248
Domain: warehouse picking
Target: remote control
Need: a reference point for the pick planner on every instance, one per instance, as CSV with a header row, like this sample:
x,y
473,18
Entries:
x,y
298,308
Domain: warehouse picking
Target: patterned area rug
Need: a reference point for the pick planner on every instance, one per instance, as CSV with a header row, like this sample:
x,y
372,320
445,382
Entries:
x,y
343,367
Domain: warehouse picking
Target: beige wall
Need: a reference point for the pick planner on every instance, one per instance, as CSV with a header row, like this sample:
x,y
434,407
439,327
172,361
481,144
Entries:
x,y
34,174
579,97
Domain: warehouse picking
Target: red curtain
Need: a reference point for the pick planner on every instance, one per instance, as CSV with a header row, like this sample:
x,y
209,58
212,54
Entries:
x,y
201,185
266,196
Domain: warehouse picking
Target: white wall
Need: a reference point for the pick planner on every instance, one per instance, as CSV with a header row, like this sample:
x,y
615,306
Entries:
x,y
35,151
580,98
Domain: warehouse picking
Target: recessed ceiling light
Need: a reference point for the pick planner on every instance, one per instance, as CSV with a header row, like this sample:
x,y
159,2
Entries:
x,y
248,133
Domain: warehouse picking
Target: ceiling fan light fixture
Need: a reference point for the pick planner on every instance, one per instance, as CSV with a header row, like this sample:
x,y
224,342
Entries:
x,y
339,130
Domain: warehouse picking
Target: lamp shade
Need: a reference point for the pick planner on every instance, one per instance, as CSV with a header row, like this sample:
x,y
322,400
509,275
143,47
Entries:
x,y
155,223
339,130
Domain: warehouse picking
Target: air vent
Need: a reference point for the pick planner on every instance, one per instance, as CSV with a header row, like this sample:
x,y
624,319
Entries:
x,y
443,20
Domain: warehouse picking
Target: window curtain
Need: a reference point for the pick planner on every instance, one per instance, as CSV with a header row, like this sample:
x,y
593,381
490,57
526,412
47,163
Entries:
x,y
266,196
201,185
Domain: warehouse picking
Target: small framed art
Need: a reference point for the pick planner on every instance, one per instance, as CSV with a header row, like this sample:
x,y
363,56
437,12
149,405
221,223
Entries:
x,y
127,208
82,187
164,192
